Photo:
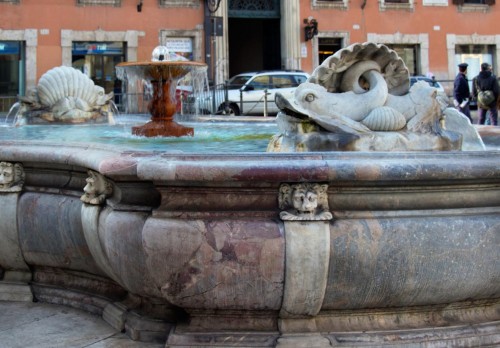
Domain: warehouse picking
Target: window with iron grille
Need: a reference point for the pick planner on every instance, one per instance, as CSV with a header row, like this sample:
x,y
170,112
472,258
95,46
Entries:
x,y
396,5
473,5
339,4
473,2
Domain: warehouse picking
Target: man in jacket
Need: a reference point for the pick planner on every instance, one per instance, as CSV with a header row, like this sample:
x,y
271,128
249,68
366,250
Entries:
x,y
486,81
461,91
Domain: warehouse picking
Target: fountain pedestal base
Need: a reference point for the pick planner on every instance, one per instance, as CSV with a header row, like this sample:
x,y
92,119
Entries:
x,y
162,128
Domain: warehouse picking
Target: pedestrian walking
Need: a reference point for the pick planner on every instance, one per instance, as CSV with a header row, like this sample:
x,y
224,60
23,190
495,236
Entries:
x,y
461,91
485,90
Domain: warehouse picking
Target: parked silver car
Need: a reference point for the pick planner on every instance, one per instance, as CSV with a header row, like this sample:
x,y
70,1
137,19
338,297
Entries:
x,y
253,93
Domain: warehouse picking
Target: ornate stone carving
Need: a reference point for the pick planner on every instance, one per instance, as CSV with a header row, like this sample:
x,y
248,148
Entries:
x,y
97,189
65,95
11,177
360,99
304,201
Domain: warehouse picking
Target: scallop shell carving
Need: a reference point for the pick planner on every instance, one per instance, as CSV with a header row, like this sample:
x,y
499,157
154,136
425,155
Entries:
x,y
383,119
63,81
330,73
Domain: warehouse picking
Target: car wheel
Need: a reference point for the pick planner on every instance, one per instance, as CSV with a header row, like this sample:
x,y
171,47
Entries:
x,y
230,110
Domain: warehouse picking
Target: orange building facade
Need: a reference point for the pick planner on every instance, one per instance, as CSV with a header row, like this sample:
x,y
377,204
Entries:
x,y
233,36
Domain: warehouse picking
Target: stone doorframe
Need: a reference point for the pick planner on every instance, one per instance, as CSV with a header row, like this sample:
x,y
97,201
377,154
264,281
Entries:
x,y
344,35
30,38
196,35
453,40
131,37
406,39
290,25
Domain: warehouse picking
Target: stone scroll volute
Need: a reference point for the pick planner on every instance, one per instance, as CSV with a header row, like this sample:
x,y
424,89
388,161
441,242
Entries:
x,y
304,202
11,177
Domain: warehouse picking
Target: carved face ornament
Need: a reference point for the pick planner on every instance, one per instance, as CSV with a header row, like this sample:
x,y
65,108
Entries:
x,y
6,174
305,201
11,177
97,188
95,185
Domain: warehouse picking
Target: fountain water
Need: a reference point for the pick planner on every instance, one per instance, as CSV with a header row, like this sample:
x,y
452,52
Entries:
x,y
313,249
163,71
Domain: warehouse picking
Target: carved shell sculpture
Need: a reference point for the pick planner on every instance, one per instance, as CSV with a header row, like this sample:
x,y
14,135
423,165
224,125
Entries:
x,y
63,81
384,119
330,74
65,95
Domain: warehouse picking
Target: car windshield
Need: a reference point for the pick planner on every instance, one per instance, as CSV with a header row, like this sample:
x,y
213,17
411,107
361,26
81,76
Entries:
x,y
238,81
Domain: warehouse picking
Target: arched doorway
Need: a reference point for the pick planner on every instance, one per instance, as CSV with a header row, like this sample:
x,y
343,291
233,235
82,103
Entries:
x,y
254,35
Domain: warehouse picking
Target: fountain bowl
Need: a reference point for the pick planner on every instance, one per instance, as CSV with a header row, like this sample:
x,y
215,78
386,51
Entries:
x,y
163,76
197,248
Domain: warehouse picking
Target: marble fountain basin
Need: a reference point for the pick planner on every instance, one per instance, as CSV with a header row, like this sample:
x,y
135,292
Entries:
x,y
191,248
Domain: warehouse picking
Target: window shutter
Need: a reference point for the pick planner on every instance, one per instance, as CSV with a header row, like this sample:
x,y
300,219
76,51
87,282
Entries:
x,y
458,2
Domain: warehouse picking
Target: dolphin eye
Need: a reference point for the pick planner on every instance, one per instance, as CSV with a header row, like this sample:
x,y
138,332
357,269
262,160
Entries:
x,y
310,97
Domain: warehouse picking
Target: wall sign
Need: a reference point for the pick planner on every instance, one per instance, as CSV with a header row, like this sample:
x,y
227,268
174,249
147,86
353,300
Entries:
x,y
181,45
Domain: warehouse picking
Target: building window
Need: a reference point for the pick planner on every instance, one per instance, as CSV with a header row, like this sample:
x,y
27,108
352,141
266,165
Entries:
x,y
413,49
327,46
12,60
179,3
10,1
98,60
474,55
474,2
435,2
396,5
410,55
327,43
335,4
115,3
473,5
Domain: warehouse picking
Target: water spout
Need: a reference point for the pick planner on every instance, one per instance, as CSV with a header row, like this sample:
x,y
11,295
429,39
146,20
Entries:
x,y
13,115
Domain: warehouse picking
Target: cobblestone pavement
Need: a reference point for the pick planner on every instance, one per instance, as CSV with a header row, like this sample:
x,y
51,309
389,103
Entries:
x,y
42,325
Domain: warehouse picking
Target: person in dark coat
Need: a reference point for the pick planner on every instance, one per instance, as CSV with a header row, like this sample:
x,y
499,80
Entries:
x,y
486,81
461,91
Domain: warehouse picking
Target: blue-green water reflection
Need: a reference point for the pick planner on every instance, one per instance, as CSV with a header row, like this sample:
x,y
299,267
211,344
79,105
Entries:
x,y
217,136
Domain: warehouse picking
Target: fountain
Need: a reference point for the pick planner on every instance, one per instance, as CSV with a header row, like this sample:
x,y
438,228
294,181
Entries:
x,y
163,71
280,249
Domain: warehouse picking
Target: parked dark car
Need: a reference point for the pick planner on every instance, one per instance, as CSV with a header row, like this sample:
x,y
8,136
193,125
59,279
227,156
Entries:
x,y
432,82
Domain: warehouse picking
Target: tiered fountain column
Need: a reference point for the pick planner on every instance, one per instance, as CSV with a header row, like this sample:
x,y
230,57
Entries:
x,y
163,76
